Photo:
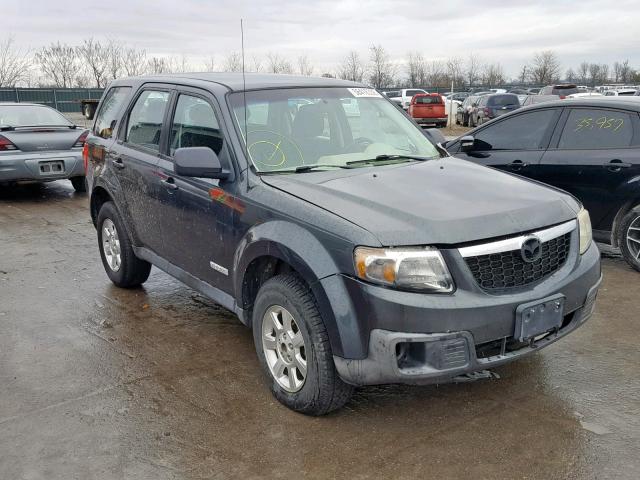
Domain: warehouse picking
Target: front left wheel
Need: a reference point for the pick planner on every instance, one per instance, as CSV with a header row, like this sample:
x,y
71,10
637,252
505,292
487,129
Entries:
x,y
629,237
293,348
120,262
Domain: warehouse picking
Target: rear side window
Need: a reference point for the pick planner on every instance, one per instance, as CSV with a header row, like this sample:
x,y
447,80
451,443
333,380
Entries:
x,y
503,100
109,108
565,91
430,100
195,125
145,120
520,132
595,128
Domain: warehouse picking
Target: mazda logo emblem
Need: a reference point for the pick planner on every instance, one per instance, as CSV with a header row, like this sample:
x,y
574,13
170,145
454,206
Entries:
x,y
531,249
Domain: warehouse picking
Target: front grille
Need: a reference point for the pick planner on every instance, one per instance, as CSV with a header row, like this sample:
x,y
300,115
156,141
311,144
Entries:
x,y
503,270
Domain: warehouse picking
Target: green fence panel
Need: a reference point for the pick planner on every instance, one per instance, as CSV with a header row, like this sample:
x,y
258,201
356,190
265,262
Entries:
x,y
63,99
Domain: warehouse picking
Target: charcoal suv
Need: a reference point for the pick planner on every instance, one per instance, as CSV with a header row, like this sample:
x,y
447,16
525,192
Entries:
x,y
358,251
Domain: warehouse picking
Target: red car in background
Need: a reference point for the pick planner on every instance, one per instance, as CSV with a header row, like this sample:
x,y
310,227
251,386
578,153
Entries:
x,y
428,109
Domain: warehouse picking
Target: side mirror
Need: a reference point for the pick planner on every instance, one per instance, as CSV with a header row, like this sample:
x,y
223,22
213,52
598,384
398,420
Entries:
x,y
467,143
201,162
436,136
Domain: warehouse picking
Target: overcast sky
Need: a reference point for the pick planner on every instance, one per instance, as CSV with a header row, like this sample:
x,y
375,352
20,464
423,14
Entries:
x,y
505,31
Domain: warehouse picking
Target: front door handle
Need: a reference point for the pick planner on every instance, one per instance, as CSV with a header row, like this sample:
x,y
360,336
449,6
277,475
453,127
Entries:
x,y
169,183
117,162
517,164
616,165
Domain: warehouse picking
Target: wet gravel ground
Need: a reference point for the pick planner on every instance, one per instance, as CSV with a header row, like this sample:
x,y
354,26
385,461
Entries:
x,y
160,383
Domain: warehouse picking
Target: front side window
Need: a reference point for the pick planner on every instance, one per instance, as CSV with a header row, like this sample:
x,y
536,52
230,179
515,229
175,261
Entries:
x,y
595,128
145,119
520,132
109,108
293,127
195,125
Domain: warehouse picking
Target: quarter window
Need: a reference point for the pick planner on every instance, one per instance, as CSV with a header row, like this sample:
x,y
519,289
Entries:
x,y
595,128
195,125
520,132
145,120
109,108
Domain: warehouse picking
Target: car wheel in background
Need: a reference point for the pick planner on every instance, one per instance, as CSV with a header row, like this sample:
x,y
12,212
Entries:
x,y
122,266
629,237
79,184
293,347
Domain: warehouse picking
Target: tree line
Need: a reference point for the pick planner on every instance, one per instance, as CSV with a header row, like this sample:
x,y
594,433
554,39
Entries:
x,y
93,63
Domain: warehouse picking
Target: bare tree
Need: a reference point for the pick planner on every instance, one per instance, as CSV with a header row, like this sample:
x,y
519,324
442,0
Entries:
x,y
351,67
616,71
304,66
179,64
210,64
493,74
277,64
256,64
473,69
604,73
134,62
594,73
115,61
14,64
381,71
95,57
545,68
415,70
157,65
571,75
435,74
454,71
625,72
583,72
59,63
233,62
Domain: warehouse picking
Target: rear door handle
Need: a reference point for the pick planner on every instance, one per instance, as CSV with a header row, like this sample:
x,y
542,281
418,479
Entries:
x,y
517,164
117,162
616,165
169,183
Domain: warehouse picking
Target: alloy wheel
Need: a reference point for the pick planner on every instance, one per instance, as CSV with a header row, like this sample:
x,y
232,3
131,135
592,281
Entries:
x,y
284,348
633,238
111,245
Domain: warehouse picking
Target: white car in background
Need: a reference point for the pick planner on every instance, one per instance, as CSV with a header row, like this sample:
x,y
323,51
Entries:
x,y
627,92
404,96
584,94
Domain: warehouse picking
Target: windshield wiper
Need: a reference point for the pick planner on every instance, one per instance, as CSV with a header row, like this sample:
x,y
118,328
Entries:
x,y
386,157
304,168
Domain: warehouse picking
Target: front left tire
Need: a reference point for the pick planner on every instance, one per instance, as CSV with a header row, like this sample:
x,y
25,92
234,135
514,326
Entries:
x,y
629,237
123,268
293,347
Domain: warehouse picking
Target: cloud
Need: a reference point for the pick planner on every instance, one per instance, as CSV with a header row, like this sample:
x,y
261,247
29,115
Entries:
x,y
326,30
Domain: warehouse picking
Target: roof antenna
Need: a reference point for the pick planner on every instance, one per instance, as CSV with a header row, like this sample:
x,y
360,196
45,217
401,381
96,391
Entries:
x,y
244,95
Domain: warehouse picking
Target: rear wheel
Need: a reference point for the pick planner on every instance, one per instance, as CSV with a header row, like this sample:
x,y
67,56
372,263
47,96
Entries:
x,y
629,237
293,347
121,264
79,184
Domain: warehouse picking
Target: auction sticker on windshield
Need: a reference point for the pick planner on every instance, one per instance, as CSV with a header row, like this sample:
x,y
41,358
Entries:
x,y
364,92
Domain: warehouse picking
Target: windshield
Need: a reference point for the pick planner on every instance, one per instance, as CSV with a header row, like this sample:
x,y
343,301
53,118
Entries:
x,y
328,127
31,116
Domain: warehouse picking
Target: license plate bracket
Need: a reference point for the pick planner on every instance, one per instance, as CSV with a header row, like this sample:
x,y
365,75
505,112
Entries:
x,y
538,317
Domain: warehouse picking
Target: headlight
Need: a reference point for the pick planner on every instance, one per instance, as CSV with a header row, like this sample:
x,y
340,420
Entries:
x,y
421,268
584,224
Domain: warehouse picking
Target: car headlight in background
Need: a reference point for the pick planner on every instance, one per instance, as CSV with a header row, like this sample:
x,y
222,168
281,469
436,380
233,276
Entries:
x,y
584,224
421,268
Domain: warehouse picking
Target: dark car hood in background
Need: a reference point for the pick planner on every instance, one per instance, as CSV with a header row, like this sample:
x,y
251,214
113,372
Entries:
x,y
43,139
445,201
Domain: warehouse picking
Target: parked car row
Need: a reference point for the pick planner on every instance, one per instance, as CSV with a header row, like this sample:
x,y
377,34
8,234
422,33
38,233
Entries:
x,y
589,147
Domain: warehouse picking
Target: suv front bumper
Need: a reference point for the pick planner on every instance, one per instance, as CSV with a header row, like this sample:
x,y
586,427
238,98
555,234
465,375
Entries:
x,y
419,339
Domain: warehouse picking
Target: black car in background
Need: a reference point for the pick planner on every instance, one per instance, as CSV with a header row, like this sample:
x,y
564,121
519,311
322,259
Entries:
x,y
488,107
590,148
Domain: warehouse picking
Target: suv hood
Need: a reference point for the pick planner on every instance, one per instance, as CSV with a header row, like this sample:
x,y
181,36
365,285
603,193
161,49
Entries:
x,y
445,201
